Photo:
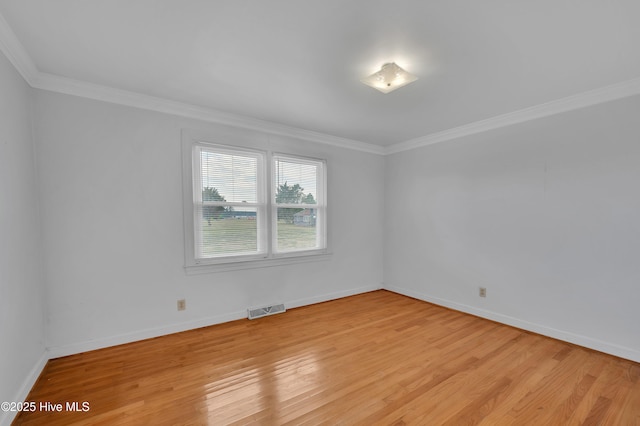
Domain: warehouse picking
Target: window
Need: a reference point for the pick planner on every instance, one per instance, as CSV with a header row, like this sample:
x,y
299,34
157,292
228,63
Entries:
x,y
298,209
229,205
243,205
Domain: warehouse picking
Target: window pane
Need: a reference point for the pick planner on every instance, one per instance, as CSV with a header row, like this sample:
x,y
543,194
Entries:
x,y
228,177
228,231
296,183
297,229
227,203
299,197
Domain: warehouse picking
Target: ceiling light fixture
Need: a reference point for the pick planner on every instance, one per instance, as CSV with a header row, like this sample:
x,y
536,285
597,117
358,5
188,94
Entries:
x,y
389,78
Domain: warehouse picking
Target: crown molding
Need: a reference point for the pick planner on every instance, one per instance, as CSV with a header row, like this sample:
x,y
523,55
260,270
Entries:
x,y
84,89
580,100
16,53
19,57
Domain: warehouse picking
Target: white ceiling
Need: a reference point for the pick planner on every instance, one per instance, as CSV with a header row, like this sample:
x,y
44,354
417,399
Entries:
x,y
299,63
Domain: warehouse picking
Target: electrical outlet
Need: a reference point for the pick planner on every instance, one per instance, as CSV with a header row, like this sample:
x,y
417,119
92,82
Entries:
x,y
182,304
483,292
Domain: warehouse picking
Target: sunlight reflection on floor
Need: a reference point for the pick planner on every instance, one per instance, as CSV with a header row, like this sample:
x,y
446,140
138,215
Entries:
x,y
251,390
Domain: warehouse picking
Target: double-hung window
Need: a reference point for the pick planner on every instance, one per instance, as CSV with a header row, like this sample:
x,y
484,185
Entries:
x,y
229,203
298,207
245,205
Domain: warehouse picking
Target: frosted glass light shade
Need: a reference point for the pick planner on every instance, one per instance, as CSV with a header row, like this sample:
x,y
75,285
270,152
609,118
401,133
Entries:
x,y
389,78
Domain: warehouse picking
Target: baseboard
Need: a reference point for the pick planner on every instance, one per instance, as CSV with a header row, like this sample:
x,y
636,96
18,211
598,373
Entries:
x,y
566,336
59,351
121,339
7,417
330,296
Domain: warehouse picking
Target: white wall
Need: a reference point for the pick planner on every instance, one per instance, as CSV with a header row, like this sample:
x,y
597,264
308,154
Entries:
x,y
113,233
21,284
545,215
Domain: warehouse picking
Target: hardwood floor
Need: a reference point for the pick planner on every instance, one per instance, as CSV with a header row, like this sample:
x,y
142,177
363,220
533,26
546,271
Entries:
x,y
375,358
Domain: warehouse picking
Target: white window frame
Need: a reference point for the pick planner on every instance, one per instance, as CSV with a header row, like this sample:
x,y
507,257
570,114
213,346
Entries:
x,y
320,206
267,238
260,205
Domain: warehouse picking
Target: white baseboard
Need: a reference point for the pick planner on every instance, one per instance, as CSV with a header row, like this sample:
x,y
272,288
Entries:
x,y
330,296
578,339
7,417
59,351
121,339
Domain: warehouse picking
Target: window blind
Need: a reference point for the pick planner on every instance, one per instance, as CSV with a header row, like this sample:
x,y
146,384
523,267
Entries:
x,y
298,211
228,203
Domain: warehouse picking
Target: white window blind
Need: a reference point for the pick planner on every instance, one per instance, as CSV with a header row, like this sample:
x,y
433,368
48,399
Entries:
x,y
229,203
298,210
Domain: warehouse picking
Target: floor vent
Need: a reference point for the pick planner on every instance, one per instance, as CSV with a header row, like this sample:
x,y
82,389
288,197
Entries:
x,y
253,313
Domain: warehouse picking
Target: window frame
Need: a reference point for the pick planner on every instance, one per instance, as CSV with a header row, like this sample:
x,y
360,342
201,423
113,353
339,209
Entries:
x,y
321,204
266,190
260,205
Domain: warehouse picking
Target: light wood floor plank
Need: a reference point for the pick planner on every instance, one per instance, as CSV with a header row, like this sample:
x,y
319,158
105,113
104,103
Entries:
x,y
374,358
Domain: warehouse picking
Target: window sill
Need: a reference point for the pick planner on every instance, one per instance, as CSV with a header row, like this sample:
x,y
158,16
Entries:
x,y
253,264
